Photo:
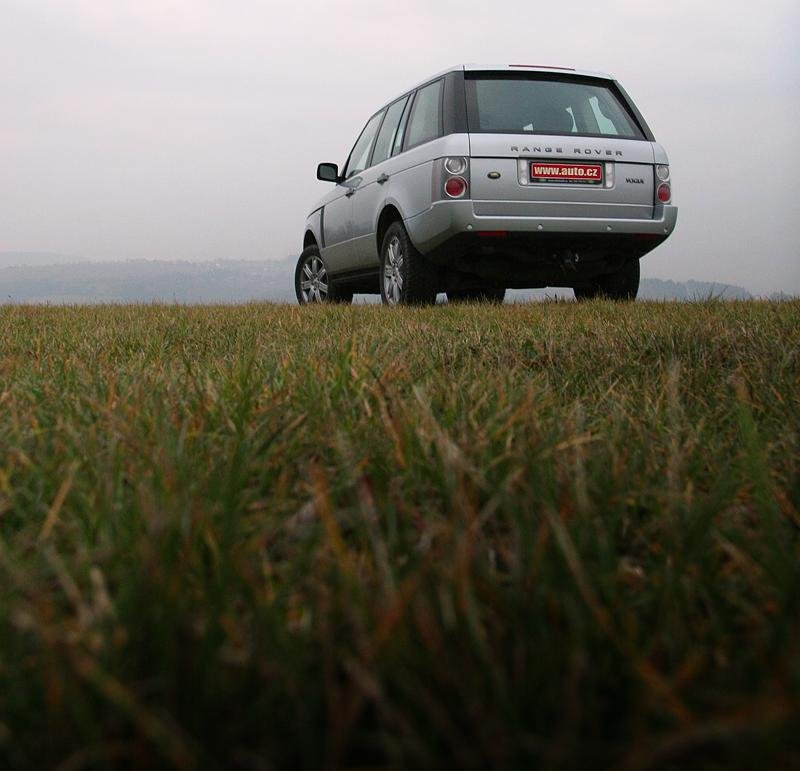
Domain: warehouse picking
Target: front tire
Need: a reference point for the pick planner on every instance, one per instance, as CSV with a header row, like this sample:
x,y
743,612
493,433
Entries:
x,y
313,284
621,285
407,278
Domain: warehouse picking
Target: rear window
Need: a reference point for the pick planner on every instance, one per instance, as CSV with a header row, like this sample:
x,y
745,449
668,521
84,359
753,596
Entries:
x,y
513,104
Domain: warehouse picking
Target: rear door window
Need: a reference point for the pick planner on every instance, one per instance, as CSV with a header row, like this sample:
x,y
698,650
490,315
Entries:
x,y
426,115
388,133
512,104
401,129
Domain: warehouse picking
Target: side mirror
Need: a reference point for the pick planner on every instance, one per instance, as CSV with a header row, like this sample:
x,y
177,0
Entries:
x,y
328,172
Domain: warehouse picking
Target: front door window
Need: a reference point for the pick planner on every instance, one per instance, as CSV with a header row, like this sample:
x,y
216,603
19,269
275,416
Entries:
x,y
359,157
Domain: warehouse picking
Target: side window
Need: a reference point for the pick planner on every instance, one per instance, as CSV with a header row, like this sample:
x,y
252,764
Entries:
x,y
424,123
401,129
388,132
359,157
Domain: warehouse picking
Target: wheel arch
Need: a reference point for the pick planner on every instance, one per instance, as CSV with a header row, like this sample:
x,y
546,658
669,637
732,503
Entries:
x,y
309,239
389,214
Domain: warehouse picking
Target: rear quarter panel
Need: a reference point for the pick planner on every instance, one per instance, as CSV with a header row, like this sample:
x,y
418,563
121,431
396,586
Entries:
x,y
660,154
410,185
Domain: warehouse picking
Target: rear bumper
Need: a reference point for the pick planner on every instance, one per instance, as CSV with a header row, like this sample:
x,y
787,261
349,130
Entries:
x,y
446,219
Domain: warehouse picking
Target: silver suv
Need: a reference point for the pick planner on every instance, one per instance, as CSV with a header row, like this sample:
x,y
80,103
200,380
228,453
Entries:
x,y
487,178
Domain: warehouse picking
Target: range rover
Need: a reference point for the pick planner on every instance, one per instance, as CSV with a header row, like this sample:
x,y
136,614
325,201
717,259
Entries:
x,y
484,178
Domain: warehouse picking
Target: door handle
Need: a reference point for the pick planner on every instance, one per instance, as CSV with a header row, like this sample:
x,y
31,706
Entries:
x,y
351,192
383,179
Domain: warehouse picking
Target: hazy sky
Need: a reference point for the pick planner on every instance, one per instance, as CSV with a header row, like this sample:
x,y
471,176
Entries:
x,y
191,129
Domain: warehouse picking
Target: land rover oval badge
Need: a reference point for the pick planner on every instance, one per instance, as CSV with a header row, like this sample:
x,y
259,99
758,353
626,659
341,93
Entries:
x,y
494,175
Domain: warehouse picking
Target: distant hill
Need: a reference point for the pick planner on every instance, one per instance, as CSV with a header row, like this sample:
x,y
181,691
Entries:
x,y
10,259
230,281
227,281
661,289
652,289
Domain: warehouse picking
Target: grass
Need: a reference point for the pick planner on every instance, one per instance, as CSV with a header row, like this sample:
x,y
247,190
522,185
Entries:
x,y
554,536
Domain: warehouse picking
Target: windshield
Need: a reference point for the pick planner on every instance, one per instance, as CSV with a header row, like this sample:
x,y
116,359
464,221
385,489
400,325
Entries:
x,y
513,104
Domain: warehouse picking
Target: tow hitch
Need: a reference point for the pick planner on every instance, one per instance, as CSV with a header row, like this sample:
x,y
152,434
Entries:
x,y
569,261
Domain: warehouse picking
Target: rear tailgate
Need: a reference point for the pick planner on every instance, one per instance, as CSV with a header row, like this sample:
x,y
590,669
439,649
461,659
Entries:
x,y
557,176
557,145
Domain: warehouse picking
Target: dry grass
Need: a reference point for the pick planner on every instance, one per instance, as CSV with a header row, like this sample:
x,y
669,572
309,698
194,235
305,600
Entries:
x,y
553,536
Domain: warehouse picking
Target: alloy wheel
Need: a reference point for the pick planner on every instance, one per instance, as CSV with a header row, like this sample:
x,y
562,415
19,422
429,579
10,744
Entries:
x,y
314,280
393,272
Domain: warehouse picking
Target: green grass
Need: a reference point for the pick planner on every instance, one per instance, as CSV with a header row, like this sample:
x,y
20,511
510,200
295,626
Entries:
x,y
547,536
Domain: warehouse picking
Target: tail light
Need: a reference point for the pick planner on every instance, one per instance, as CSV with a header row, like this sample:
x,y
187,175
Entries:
x,y
664,190
455,165
451,178
455,187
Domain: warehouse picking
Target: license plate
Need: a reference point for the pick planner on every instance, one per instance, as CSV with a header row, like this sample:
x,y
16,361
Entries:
x,y
584,173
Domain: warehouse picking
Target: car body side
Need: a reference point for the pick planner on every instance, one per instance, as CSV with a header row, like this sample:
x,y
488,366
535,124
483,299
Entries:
x,y
406,195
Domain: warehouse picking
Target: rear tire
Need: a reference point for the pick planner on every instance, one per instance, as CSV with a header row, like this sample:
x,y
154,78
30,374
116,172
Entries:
x,y
406,277
313,284
486,295
621,285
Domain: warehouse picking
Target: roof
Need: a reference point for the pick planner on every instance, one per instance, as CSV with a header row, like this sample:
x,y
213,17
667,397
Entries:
x,y
501,68
528,68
